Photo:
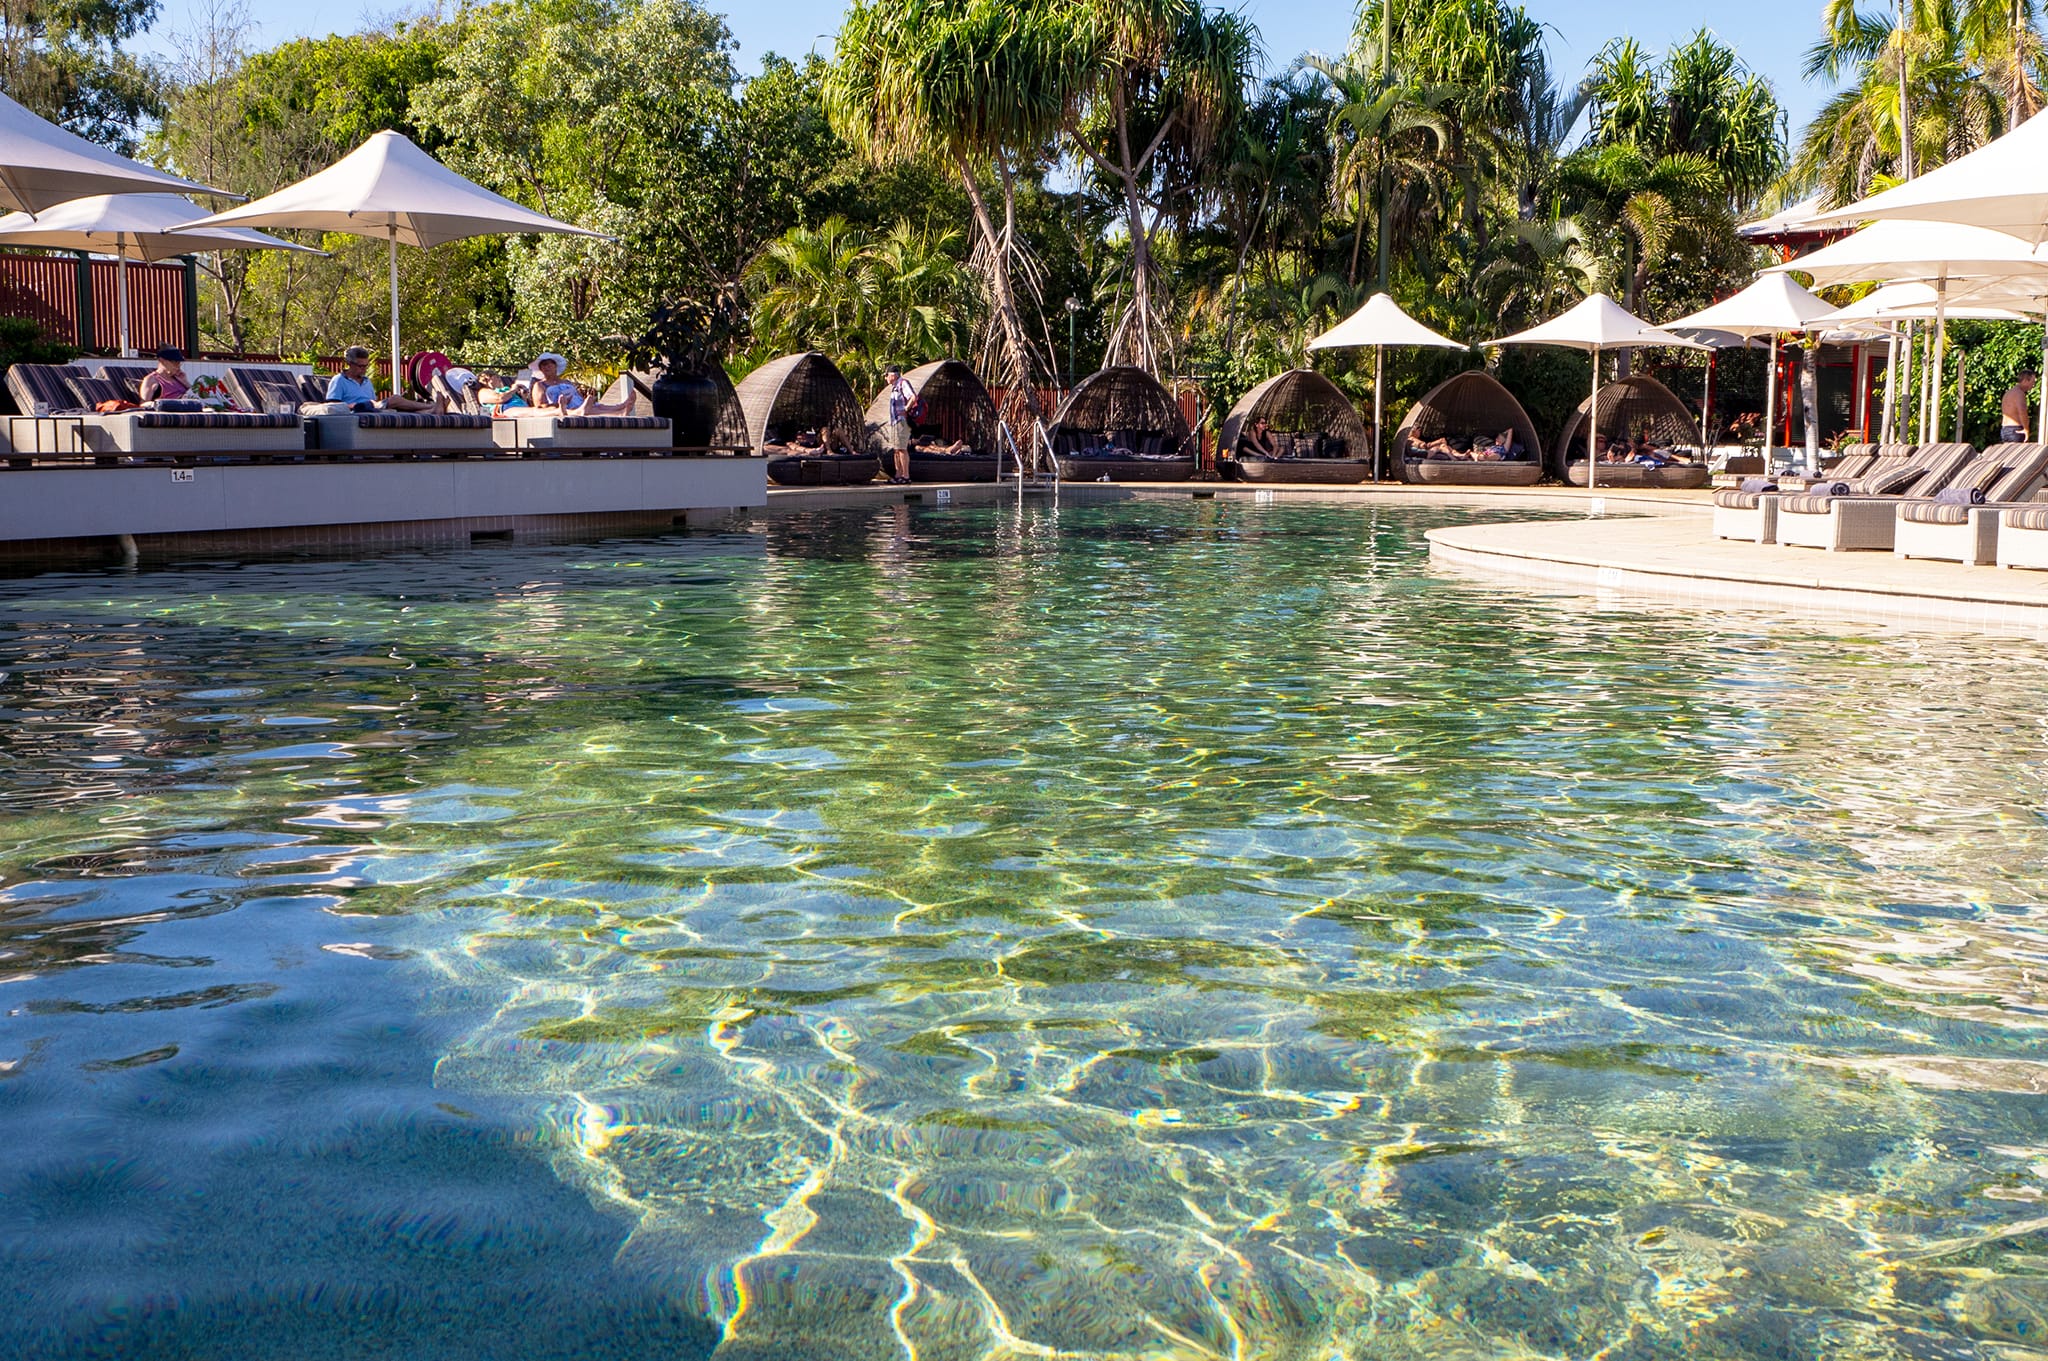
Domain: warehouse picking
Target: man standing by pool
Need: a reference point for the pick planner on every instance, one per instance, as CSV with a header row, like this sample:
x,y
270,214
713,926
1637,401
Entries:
x,y
896,434
353,385
2012,408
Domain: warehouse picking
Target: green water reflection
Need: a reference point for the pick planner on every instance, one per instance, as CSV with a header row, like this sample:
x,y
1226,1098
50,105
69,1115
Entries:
x,y
1157,930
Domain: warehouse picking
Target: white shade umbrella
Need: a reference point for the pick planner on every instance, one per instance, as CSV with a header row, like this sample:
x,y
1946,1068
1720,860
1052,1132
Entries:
x,y
388,188
1886,252
1796,218
1380,323
1771,305
42,165
2002,185
1908,301
1599,323
129,227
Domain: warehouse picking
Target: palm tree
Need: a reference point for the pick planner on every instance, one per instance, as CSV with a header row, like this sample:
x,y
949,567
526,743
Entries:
x,y
814,287
1387,140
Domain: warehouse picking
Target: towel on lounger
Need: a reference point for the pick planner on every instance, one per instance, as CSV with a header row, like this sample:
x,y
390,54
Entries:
x,y
1758,484
1961,496
1828,489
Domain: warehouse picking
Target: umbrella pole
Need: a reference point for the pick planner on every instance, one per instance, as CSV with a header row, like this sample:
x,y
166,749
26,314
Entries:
x,y
393,229
1379,380
1707,405
121,288
1891,384
1592,428
1771,407
1940,353
2041,383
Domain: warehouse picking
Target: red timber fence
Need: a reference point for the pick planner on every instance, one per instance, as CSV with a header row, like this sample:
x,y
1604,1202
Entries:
x,y
75,300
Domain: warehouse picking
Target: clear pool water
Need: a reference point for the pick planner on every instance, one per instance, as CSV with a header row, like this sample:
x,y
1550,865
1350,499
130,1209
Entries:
x,y
1163,929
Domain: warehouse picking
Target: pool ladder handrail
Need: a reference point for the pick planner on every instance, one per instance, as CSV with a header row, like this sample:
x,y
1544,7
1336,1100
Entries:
x,y
1024,477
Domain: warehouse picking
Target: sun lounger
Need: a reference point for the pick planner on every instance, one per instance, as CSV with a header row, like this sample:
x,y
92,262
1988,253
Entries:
x,y
1752,515
1969,533
402,431
551,431
1865,518
194,432
2023,537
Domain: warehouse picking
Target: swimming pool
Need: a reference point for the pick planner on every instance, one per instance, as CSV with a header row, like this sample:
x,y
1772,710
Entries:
x,y
1164,928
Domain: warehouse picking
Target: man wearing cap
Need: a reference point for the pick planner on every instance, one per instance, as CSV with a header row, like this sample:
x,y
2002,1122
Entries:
x,y
353,385
896,434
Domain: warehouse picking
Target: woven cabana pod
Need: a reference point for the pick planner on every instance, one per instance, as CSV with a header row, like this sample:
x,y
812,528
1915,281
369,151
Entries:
x,y
1632,405
1125,411
801,392
957,407
1315,430
1472,403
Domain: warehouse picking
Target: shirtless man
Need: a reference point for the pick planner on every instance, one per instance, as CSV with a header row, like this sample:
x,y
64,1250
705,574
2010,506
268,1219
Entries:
x,y
2012,408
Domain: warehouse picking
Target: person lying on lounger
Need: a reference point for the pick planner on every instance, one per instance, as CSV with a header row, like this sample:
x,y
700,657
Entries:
x,y
551,393
938,448
167,381
823,441
353,385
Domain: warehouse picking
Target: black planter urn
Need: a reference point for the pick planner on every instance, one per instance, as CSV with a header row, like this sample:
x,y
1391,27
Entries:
x,y
691,402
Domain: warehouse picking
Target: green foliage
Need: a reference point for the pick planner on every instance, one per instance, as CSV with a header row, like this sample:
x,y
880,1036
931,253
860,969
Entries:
x,y
1988,355
23,342
62,59
865,299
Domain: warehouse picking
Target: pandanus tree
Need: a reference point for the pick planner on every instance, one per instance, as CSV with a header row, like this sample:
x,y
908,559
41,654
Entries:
x,y
1160,84
980,87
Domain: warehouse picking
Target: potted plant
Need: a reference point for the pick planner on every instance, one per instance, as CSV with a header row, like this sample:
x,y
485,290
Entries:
x,y
684,349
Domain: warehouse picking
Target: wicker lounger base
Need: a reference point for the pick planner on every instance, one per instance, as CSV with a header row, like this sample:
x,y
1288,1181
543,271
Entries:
x,y
2023,537
1077,469
817,470
1458,472
1849,524
1973,541
1748,524
952,468
1625,476
1320,472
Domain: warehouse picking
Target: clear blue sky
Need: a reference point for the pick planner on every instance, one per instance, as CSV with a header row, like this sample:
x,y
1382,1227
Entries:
x,y
1770,36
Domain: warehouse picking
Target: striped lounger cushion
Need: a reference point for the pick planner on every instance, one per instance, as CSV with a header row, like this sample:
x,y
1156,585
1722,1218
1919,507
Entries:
x,y
43,389
2027,517
246,385
611,422
420,420
1806,503
92,391
1936,513
212,420
1736,499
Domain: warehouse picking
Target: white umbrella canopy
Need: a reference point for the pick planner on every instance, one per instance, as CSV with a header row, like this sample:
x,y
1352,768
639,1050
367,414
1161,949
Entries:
x,y
2002,185
1909,301
1380,323
1599,323
1887,252
1797,217
1772,304
42,165
130,227
388,188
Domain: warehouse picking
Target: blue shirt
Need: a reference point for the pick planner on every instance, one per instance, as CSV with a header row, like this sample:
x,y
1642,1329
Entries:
x,y
342,388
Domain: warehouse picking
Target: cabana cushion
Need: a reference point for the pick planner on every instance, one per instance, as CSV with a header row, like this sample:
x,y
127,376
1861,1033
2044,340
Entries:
x,y
212,420
420,420
610,422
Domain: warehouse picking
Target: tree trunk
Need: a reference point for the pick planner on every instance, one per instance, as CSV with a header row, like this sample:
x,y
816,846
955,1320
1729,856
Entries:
x,y
1141,241
1015,341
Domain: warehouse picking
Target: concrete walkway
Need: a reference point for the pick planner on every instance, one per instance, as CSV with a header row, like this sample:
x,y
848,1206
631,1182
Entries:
x,y
1676,556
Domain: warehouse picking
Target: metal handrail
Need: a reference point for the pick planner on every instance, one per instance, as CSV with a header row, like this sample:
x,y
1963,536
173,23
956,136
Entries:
x,y
1044,440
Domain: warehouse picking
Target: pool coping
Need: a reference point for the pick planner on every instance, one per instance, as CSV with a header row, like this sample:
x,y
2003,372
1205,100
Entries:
x,y
1678,558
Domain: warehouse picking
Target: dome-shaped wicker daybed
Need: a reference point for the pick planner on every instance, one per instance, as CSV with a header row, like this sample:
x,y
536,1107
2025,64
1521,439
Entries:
x,y
1315,431
1631,406
1121,425
797,393
957,410
1467,408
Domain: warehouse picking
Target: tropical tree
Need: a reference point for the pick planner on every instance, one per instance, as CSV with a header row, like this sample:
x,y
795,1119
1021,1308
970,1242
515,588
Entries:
x,y
1159,84
978,86
1387,141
